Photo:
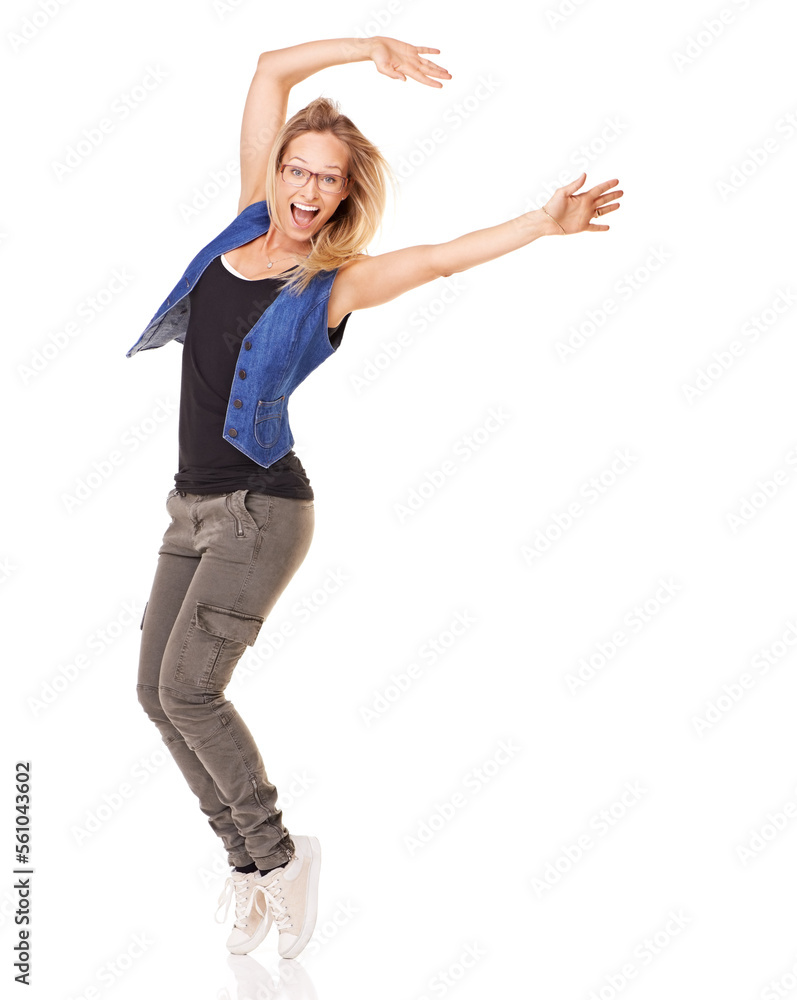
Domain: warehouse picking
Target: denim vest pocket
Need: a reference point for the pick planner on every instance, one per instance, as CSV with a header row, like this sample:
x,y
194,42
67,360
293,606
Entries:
x,y
268,419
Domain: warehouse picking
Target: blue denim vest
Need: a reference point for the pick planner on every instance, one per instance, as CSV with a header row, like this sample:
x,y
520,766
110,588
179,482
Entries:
x,y
285,344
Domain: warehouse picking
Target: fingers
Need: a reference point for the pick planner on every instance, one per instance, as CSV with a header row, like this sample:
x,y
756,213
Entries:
x,y
418,75
425,70
398,71
393,72
593,227
600,189
421,77
595,192
574,185
405,60
433,69
603,202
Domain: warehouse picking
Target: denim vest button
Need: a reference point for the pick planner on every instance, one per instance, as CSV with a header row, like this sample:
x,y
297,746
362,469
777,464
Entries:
x,y
233,432
242,374
248,345
237,404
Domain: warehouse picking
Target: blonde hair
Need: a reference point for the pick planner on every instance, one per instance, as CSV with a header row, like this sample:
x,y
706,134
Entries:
x,y
357,218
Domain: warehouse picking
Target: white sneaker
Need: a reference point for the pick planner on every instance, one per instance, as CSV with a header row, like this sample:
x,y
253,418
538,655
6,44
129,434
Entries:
x,y
291,895
252,918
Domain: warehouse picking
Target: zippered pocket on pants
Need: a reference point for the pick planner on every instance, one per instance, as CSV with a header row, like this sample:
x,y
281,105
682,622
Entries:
x,y
239,525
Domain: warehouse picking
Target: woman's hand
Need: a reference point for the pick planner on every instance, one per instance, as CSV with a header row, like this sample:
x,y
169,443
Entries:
x,y
573,211
399,60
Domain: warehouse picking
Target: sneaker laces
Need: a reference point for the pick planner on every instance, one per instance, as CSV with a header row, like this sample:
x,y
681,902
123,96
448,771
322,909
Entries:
x,y
272,891
245,899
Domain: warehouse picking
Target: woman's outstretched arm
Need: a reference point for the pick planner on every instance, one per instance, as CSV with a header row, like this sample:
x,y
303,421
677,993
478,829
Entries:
x,y
277,71
371,281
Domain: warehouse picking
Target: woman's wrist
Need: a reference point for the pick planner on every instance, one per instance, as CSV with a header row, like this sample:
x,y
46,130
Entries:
x,y
357,49
552,226
539,223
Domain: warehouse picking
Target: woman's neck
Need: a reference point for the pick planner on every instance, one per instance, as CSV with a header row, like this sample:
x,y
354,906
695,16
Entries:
x,y
276,244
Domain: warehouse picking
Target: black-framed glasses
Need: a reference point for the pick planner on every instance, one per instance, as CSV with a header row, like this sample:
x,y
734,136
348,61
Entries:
x,y
298,177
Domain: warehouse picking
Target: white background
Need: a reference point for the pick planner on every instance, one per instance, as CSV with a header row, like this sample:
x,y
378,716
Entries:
x,y
126,908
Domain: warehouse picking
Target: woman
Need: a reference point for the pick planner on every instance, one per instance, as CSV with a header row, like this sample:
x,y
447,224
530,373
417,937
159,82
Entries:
x,y
258,309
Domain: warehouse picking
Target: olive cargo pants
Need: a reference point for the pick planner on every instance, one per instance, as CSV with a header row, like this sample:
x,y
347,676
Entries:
x,y
223,563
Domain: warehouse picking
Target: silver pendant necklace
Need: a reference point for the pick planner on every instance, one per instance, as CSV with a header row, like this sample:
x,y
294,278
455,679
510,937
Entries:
x,y
271,262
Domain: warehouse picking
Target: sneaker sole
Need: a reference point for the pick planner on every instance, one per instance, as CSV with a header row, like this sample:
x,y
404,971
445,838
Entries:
x,y
313,851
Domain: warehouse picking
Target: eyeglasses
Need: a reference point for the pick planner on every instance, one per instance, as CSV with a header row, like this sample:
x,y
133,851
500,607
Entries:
x,y
298,177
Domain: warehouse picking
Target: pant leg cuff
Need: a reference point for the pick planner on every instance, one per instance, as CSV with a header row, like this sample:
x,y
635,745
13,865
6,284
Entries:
x,y
239,860
275,861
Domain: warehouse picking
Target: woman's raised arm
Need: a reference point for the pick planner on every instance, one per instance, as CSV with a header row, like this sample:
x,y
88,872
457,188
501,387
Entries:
x,y
371,281
277,71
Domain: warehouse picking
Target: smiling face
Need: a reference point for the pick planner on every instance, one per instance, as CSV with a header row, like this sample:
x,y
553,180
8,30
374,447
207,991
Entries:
x,y
318,152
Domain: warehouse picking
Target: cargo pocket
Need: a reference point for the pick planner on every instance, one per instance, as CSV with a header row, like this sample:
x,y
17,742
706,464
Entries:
x,y
215,641
268,420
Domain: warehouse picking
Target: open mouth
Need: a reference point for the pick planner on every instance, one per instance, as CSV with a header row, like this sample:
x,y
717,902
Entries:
x,y
303,215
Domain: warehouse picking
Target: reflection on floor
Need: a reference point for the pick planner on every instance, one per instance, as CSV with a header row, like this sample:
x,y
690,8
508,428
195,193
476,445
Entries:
x,y
254,981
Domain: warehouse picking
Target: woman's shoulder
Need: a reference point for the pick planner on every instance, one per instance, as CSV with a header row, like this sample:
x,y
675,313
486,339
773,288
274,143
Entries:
x,y
354,262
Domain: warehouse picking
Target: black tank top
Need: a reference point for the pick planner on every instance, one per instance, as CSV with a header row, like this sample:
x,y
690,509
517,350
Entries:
x,y
224,308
